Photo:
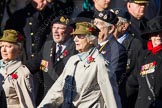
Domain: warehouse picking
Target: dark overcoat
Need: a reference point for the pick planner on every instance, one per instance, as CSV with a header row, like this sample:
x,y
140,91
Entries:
x,y
52,67
137,27
133,47
30,22
116,55
137,82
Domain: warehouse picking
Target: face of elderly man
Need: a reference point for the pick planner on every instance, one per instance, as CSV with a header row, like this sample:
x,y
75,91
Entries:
x,y
136,10
101,4
40,4
105,29
61,32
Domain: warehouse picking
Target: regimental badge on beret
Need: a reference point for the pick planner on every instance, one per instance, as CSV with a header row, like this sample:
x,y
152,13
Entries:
x,y
5,34
100,14
107,16
116,12
64,20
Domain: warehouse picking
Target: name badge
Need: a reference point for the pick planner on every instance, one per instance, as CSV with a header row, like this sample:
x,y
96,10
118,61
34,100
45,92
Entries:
x,y
44,66
148,68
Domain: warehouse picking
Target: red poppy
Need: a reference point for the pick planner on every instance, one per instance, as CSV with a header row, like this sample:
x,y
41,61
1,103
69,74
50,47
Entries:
x,y
154,63
65,53
90,59
19,37
91,29
14,76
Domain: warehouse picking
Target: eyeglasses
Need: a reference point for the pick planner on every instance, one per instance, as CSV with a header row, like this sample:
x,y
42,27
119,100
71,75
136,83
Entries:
x,y
81,36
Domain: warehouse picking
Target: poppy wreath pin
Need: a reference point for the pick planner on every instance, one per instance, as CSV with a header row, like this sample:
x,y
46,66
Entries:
x,y
19,37
14,76
90,59
90,29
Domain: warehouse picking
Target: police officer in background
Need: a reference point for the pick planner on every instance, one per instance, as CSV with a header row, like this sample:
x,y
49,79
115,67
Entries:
x,y
137,9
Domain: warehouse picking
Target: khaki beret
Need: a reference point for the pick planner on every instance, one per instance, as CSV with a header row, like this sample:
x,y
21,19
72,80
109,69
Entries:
x,y
12,36
86,28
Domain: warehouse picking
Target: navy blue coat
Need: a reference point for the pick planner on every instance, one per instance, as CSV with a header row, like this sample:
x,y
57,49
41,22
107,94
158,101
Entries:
x,y
152,10
116,55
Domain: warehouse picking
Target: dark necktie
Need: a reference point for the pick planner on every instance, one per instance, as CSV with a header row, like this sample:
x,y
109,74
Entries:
x,y
59,50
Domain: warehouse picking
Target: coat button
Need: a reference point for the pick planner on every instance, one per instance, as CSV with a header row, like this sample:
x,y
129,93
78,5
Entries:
x,y
140,86
152,76
31,34
30,23
149,98
28,13
32,55
33,45
139,97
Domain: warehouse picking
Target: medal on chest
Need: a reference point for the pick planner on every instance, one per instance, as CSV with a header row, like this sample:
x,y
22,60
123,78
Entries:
x,y
44,65
148,68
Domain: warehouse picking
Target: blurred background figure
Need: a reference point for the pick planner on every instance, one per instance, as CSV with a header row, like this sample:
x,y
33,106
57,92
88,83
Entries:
x,y
9,7
137,9
154,9
2,8
16,79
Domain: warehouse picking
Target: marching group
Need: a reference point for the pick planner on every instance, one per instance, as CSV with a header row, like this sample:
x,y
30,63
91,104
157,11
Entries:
x,y
103,58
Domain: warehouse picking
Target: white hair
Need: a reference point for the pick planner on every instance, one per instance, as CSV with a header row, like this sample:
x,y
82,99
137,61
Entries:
x,y
93,39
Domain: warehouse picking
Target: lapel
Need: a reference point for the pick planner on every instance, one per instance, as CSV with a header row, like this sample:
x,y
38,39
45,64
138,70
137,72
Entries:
x,y
68,50
127,42
9,69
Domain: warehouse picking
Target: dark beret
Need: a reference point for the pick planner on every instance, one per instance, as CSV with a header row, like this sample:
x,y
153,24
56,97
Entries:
x,y
62,20
123,13
107,16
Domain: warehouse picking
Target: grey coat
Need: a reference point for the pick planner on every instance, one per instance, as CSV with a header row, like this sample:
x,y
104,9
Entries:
x,y
92,87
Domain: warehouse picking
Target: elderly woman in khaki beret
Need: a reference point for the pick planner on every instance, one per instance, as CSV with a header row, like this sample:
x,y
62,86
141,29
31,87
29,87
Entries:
x,y
84,82
16,79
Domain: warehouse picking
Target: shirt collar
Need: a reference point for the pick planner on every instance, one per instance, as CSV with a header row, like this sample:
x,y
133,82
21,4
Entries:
x,y
122,38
